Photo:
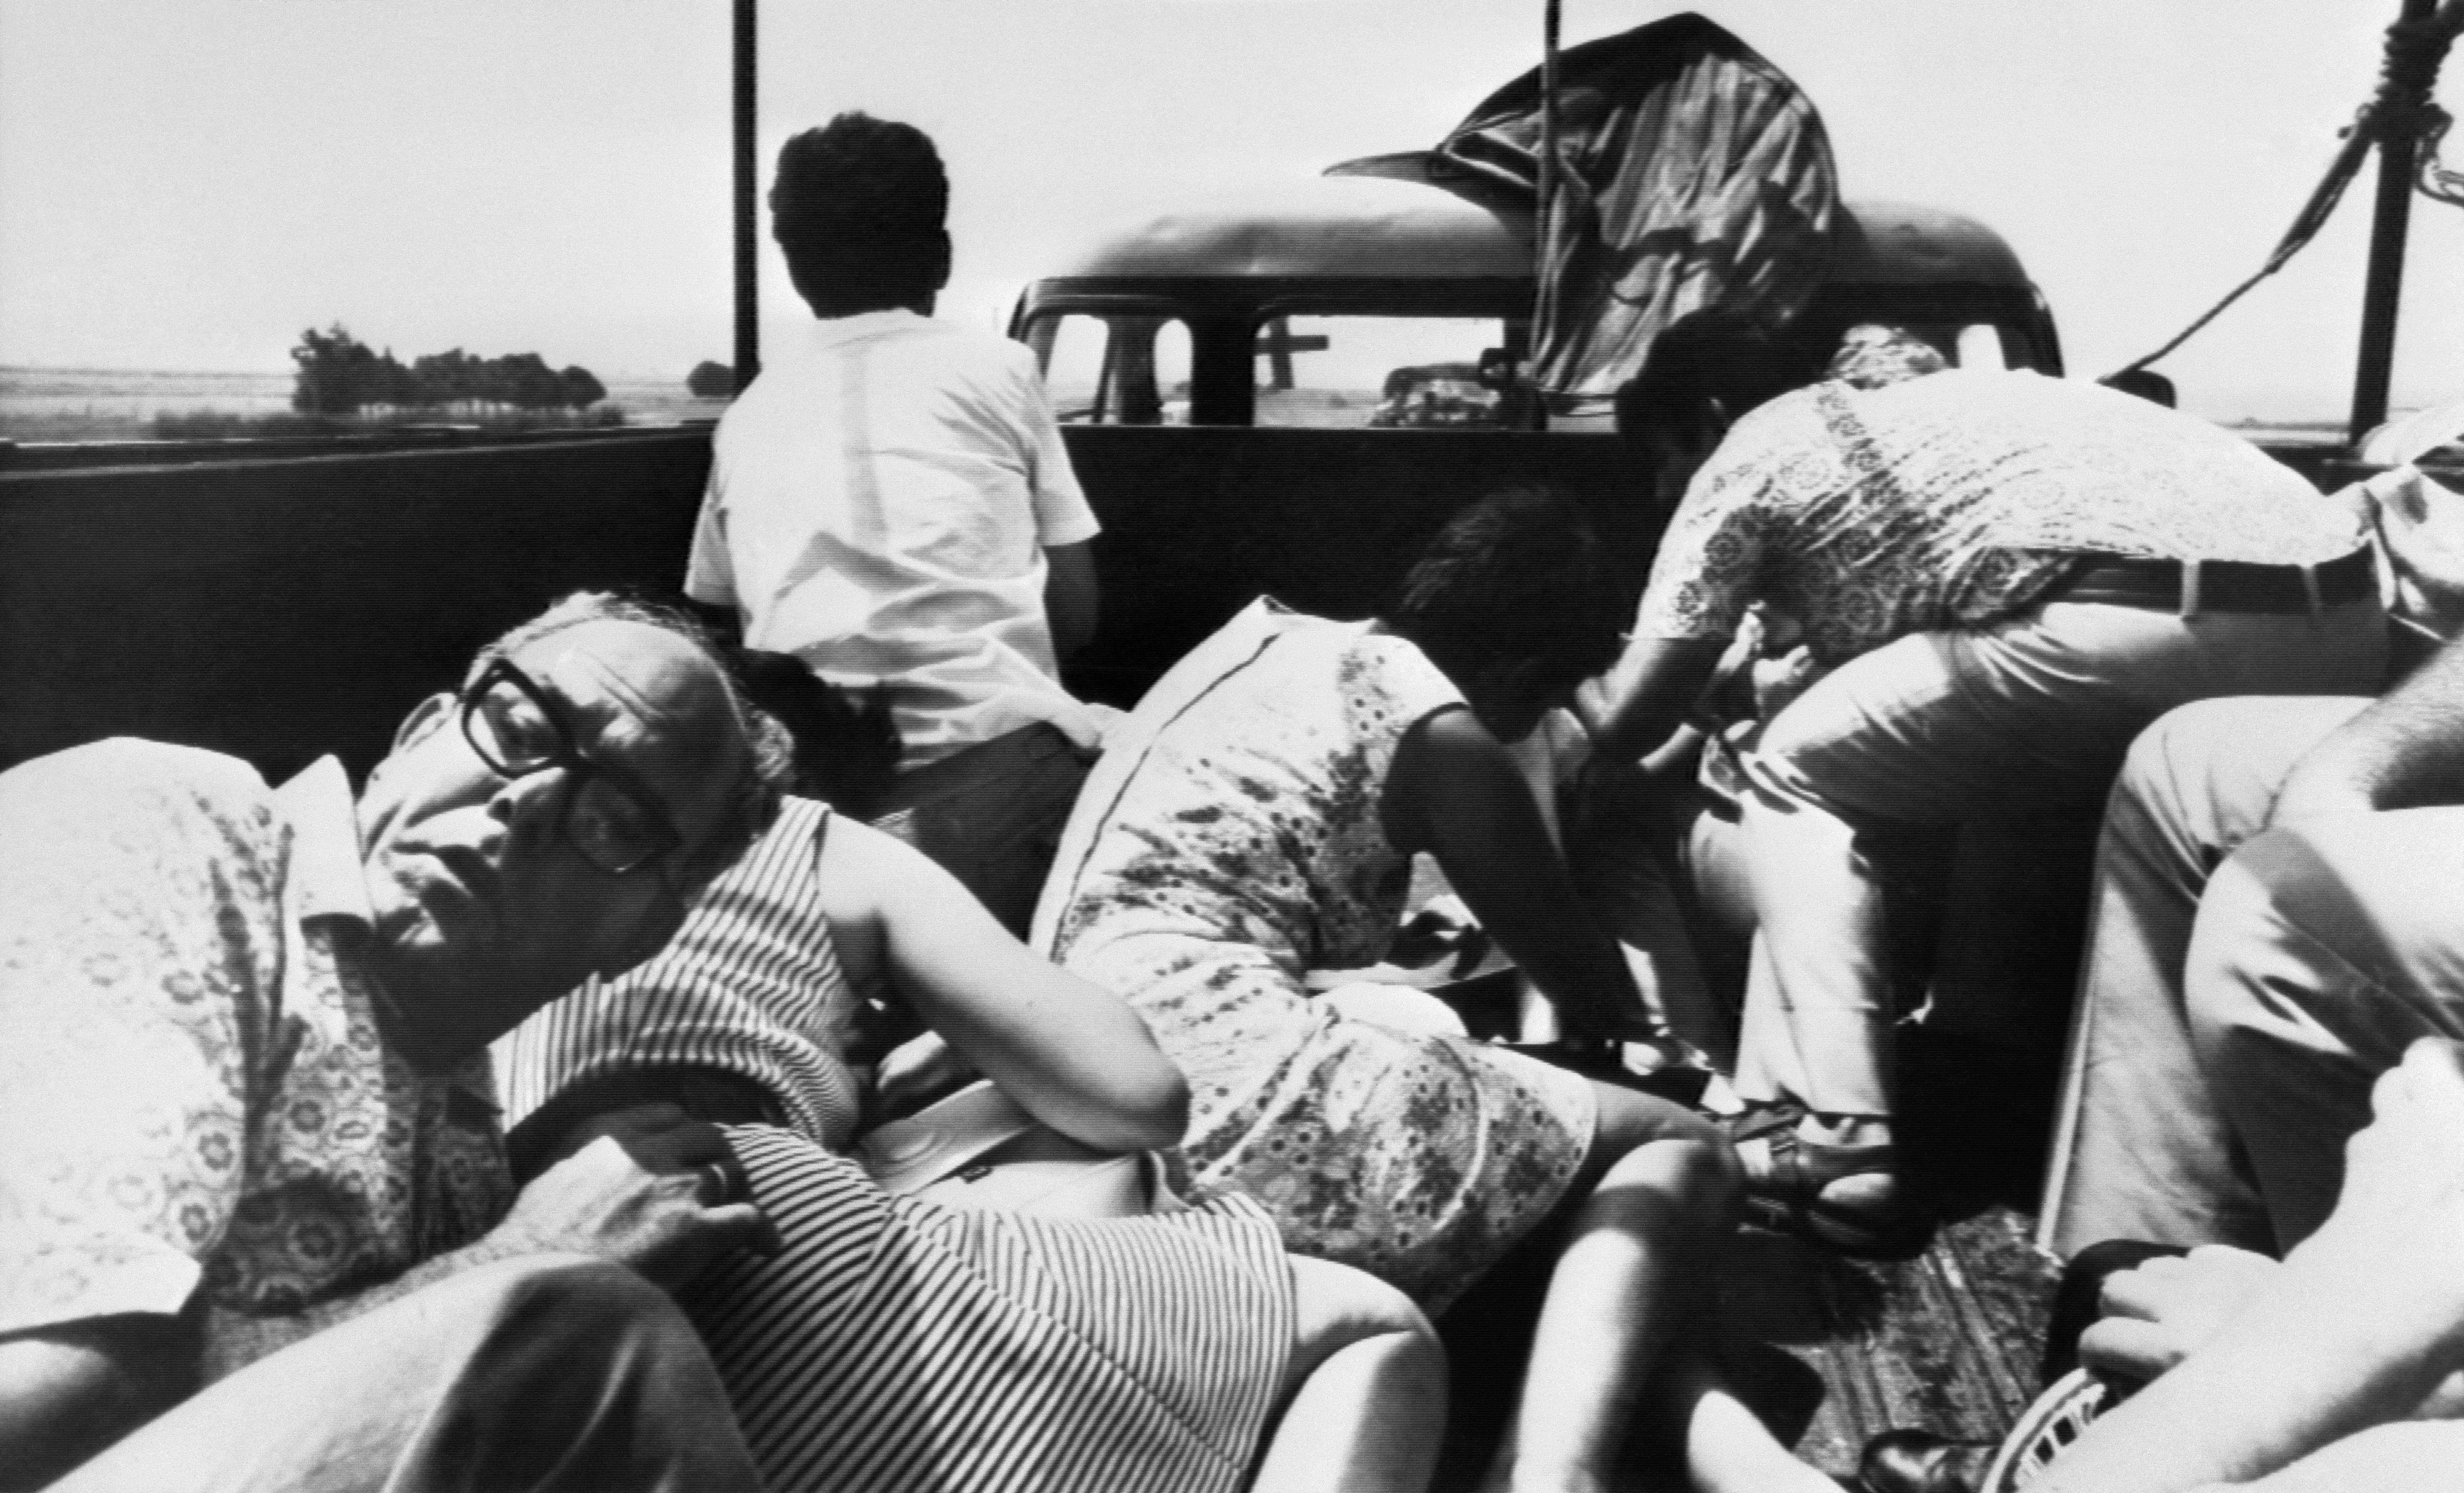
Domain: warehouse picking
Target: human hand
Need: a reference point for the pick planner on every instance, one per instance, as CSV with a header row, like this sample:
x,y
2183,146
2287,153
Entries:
x,y
917,1072
2390,1258
2420,524
638,1188
2158,1312
1778,681
2405,1164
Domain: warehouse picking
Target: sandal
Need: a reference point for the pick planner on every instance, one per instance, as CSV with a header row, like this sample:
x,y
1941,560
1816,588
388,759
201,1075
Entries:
x,y
1789,1200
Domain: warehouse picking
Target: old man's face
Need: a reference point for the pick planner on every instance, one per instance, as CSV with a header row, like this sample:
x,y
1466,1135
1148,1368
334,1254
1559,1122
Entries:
x,y
492,890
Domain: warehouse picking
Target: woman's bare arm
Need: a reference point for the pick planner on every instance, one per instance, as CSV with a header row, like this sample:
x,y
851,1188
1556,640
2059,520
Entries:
x,y
1453,792
1075,1055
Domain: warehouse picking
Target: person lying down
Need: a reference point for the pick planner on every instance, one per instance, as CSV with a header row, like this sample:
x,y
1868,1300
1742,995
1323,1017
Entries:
x,y
895,1343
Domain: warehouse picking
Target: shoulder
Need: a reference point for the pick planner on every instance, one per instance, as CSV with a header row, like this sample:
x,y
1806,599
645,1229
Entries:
x,y
1443,755
992,367
124,778
163,861
865,870
1390,680
1768,439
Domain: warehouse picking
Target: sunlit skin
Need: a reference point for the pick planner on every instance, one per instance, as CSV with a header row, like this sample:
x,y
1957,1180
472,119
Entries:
x,y
484,909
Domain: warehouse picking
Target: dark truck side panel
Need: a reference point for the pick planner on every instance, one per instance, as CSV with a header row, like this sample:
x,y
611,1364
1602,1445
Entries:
x,y
282,607
278,609
285,607
1200,520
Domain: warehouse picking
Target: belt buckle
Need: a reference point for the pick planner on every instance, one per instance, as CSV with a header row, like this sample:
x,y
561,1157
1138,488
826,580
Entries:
x,y
2190,589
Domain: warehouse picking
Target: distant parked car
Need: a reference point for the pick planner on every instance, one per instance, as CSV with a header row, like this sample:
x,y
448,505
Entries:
x,y
1437,395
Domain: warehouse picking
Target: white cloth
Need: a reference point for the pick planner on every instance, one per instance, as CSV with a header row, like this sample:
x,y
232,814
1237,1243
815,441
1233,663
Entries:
x,y
879,503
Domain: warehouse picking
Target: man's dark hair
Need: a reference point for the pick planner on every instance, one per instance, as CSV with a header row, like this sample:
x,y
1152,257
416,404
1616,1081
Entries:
x,y
1708,358
858,209
1521,575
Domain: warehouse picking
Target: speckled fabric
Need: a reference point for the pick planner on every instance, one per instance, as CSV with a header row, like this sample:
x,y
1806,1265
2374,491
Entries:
x,y
1230,843
194,1095
1956,499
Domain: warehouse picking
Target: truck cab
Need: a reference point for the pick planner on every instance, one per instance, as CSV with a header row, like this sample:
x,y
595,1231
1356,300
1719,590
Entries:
x,y
1286,391
1326,304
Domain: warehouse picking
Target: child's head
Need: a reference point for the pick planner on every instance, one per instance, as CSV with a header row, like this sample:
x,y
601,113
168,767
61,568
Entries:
x,y
1517,602
858,209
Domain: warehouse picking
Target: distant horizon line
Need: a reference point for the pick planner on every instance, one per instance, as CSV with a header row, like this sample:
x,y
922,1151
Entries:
x,y
248,373
2245,422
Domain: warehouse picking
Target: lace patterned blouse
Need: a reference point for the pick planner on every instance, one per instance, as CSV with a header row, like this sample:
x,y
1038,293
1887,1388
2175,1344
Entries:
x,y
1957,498
194,1094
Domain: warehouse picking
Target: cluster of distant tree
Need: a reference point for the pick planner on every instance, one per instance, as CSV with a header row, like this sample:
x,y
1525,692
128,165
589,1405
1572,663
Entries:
x,y
340,374
711,380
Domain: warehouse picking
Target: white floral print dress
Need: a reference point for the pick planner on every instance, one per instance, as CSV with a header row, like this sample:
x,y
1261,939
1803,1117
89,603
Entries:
x,y
1228,842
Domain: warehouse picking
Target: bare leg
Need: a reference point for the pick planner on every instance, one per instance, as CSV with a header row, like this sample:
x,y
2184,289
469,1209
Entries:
x,y
1366,1407
1728,1448
1662,1189
545,1372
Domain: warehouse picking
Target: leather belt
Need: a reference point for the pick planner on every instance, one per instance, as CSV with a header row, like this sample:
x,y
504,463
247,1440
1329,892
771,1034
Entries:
x,y
2219,585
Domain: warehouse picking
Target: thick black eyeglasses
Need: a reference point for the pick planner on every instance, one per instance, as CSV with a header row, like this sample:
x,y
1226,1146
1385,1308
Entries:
x,y
519,729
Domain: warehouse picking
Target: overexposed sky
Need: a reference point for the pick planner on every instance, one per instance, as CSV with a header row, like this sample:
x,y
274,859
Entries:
x,y
187,183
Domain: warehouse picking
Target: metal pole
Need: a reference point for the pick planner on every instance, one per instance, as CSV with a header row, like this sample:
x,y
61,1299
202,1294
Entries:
x,y
1548,183
2390,225
748,236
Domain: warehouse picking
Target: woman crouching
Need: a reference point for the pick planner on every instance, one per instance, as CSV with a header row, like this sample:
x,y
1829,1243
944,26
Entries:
x,y
1256,819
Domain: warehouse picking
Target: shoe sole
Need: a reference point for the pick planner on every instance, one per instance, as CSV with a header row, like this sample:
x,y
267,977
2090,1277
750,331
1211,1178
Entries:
x,y
1842,1239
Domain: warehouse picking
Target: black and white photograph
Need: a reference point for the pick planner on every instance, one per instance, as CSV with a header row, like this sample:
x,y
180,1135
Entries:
x,y
1231,746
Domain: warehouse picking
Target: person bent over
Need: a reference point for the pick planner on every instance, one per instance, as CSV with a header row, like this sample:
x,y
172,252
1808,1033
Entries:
x,y
2006,578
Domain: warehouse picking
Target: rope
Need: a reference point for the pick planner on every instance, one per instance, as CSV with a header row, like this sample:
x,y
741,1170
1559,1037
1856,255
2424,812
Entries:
x,y
2399,113
2437,183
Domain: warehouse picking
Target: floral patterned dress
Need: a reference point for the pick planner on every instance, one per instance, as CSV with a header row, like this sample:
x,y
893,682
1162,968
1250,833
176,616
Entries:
x,y
1229,842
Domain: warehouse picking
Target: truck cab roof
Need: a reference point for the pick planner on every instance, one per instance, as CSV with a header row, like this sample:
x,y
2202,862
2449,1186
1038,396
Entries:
x,y
1371,242
1370,228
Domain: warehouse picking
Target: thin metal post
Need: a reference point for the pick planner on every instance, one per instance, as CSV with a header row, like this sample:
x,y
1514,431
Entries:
x,y
1545,184
748,235
2390,223
1548,183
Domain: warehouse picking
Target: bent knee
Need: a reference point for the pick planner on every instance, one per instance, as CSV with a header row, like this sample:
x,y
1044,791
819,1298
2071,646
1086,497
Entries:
x,y
2354,909
1700,1170
1336,1305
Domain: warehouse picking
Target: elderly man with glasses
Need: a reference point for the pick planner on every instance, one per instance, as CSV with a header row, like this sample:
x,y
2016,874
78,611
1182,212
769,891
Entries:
x,y
256,1224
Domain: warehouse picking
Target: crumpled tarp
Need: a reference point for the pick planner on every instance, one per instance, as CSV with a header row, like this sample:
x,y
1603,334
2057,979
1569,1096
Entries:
x,y
1693,174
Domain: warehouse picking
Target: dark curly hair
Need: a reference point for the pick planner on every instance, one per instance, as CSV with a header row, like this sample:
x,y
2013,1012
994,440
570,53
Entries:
x,y
1519,576
858,209
1707,356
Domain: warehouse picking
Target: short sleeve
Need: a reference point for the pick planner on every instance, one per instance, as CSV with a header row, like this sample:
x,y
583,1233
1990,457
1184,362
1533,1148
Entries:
x,y
140,930
1062,514
1389,686
1711,561
710,574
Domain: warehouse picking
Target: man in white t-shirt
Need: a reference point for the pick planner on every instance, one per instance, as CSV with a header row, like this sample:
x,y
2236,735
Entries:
x,y
889,501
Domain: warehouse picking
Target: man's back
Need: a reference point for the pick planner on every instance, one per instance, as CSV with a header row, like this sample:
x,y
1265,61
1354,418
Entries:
x,y
1956,497
879,505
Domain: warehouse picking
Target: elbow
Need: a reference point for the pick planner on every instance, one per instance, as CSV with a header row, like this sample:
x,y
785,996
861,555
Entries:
x,y
1157,1116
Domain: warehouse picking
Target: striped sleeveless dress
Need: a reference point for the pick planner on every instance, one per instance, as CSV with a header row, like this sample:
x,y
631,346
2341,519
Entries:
x,y
895,1346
